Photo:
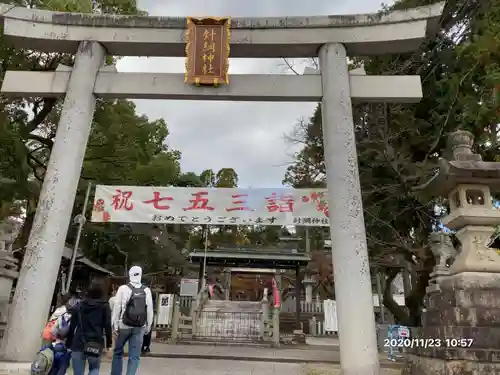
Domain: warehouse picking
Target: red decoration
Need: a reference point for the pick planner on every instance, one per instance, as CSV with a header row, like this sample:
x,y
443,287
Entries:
x,y
120,200
157,200
279,204
199,202
240,202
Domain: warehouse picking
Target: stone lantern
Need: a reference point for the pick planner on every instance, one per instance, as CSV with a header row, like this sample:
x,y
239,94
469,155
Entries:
x,y
9,267
467,182
309,283
461,322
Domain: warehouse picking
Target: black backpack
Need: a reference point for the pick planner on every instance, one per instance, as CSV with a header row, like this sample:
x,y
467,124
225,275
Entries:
x,y
135,314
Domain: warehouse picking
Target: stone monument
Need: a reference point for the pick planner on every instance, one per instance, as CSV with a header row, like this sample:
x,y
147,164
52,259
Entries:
x,y
9,268
461,326
444,252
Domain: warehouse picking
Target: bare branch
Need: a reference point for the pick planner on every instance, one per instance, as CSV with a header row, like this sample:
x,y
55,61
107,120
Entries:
x,y
45,141
40,116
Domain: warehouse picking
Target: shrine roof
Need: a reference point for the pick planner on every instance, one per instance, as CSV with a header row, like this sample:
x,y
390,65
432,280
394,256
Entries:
x,y
251,258
80,258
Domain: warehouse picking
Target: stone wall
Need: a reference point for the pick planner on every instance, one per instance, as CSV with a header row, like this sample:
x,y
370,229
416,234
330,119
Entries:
x,y
461,328
229,326
230,321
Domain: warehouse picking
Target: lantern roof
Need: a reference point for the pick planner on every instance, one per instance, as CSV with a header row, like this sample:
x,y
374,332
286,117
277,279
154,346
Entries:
x,y
461,166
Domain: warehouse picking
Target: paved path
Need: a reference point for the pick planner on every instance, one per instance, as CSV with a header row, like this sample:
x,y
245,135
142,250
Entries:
x,y
163,366
306,354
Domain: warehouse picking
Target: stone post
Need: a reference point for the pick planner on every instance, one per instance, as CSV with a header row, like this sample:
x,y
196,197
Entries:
x,y
265,306
276,327
227,284
312,326
176,315
309,282
46,242
298,282
357,337
9,267
9,271
309,293
319,304
265,314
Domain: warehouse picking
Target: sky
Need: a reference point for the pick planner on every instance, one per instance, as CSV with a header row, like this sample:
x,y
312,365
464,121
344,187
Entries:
x,y
246,136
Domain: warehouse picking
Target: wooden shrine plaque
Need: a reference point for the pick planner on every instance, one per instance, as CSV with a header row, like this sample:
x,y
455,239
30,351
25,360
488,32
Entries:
x,y
207,51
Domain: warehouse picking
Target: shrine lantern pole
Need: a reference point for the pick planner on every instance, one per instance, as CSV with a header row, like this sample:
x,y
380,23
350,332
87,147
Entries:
x,y
80,220
207,231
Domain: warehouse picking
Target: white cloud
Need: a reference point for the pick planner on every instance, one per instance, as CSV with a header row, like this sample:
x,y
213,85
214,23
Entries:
x,y
246,136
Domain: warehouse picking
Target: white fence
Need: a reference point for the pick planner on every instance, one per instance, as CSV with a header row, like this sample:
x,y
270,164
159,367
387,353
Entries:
x,y
185,301
289,306
317,328
316,306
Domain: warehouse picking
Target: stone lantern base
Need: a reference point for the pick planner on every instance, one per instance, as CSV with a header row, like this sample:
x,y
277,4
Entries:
x,y
461,328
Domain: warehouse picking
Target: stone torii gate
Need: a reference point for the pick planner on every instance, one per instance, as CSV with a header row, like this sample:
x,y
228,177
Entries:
x,y
92,37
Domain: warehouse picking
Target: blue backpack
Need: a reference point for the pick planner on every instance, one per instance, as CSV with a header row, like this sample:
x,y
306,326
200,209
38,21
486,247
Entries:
x,y
61,328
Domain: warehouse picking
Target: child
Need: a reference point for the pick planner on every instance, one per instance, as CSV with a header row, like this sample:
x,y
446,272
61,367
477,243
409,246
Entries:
x,y
52,359
58,322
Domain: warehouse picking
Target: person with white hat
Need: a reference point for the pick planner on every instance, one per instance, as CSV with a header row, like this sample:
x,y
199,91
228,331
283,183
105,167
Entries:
x,y
132,318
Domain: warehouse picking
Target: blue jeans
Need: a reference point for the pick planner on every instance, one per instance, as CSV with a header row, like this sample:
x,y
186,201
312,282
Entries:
x,y
134,338
78,360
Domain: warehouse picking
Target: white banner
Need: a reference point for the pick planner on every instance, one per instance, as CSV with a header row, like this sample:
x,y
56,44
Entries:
x,y
197,206
330,312
165,309
189,287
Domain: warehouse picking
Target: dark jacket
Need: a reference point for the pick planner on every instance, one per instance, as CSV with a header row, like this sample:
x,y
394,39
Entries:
x,y
96,320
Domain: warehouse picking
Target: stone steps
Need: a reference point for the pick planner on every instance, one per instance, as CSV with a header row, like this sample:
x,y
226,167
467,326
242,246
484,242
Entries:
x,y
232,306
230,321
232,343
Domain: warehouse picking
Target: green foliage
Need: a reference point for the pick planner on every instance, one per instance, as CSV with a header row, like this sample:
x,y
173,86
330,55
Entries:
x,y
189,179
14,170
399,145
208,178
124,148
84,6
226,178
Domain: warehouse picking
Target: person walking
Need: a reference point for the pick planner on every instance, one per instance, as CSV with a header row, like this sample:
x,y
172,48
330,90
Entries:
x,y
112,299
132,318
90,322
76,297
112,302
146,341
58,321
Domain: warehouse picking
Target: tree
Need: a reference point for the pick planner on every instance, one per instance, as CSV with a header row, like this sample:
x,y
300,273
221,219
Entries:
x,y
321,267
189,179
398,145
226,178
127,149
123,148
28,125
208,178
